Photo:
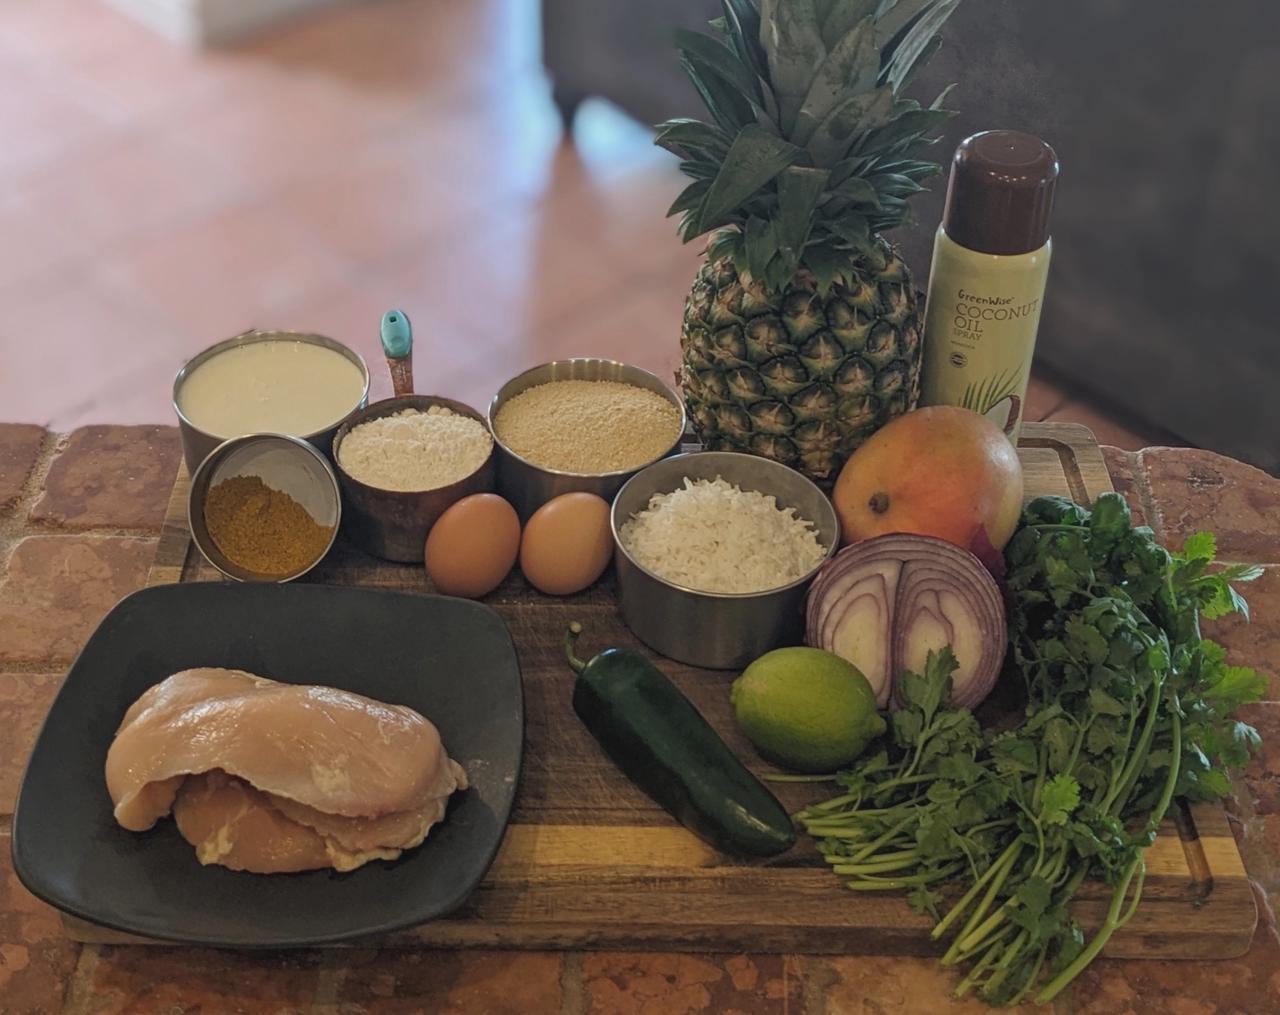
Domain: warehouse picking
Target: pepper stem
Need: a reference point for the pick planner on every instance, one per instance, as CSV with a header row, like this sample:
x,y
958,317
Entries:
x,y
570,647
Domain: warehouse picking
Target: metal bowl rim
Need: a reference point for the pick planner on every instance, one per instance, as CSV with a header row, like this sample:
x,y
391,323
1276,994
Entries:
x,y
251,337
346,426
497,401
224,447
755,459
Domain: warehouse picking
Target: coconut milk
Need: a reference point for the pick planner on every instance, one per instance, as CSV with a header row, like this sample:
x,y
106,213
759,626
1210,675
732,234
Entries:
x,y
284,386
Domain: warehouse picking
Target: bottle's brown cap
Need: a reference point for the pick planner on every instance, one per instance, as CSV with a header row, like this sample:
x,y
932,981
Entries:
x,y
1000,193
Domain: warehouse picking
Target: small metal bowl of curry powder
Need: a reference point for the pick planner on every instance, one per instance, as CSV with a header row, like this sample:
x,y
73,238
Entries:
x,y
264,507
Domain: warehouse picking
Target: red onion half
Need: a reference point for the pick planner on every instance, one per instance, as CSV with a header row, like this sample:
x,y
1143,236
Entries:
x,y
884,603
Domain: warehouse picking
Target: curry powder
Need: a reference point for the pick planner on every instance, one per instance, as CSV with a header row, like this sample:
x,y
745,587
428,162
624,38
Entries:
x,y
262,529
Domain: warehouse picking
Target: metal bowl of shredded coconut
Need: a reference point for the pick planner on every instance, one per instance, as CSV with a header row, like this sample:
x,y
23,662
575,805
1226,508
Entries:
x,y
715,551
402,462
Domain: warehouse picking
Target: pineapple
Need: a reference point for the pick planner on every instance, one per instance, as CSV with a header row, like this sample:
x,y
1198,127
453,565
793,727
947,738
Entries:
x,y
801,335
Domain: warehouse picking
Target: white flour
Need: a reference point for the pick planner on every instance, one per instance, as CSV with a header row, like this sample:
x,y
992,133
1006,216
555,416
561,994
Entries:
x,y
412,450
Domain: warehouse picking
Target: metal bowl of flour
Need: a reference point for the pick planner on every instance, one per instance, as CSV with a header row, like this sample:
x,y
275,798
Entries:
x,y
393,524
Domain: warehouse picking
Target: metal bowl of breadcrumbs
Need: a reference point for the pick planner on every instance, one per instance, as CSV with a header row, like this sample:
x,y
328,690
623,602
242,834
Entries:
x,y
580,425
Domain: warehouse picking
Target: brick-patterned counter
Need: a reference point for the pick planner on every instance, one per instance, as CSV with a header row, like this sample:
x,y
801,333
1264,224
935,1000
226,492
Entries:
x,y
79,516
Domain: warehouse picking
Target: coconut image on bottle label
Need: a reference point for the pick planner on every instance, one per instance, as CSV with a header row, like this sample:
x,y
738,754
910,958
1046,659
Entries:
x,y
996,396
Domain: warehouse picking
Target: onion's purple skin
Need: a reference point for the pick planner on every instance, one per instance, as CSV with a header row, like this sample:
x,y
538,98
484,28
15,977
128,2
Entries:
x,y
926,564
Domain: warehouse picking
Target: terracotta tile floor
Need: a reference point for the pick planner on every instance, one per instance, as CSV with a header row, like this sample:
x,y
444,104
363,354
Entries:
x,y
398,152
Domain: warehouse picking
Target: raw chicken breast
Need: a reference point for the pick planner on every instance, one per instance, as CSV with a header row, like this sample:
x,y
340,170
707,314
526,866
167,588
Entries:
x,y
268,777
231,823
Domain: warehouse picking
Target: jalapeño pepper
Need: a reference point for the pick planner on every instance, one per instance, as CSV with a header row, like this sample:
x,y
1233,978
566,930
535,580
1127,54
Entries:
x,y
658,739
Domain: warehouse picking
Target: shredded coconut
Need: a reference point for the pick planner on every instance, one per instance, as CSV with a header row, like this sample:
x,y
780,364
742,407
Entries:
x,y
412,450
715,537
588,427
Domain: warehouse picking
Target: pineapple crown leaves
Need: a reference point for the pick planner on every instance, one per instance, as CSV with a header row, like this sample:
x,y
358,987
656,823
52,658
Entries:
x,y
810,150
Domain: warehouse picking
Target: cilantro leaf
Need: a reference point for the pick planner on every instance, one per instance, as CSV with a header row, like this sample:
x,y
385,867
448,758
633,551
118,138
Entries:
x,y
1214,592
1235,686
1041,718
1059,739
1034,895
1014,754
961,769
1200,546
1086,640
1103,737
1102,703
1221,600
991,794
923,899
1240,572
1061,796
907,725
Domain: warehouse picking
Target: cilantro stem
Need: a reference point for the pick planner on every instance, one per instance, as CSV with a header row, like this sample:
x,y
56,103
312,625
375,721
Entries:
x,y
834,804
1175,765
1117,765
1137,895
1005,965
1090,951
1030,981
1114,920
904,854
833,831
978,937
987,825
781,777
971,940
854,815
905,780
1005,860
872,883
1083,731
1129,774
1041,769
876,867
886,836
970,981
953,954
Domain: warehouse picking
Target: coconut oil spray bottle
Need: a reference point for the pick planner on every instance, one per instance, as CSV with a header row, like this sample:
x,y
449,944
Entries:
x,y
986,286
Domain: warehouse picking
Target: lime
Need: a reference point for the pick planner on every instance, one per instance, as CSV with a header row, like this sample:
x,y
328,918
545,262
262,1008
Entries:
x,y
806,709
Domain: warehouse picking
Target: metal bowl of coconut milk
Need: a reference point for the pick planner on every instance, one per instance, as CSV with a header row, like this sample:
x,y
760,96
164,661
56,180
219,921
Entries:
x,y
288,382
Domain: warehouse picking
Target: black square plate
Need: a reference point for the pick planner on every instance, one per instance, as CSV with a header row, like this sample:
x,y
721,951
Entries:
x,y
450,659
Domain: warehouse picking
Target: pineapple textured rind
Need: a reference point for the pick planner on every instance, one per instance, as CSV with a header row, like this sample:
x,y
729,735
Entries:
x,y
804,378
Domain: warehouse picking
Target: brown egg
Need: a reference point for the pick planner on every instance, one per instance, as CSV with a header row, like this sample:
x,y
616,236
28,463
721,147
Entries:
x,y
473,545
567,544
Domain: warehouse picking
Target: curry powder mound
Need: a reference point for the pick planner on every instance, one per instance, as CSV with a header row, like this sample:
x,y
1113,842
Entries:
x,y
262,529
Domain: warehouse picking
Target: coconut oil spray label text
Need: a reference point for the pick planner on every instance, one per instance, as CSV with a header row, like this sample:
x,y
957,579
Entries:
x,y
980,330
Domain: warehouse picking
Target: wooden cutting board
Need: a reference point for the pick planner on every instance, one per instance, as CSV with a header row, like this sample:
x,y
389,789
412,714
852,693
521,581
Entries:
x,y
590,862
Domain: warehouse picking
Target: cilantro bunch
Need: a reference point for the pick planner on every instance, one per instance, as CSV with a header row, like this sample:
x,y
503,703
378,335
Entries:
x,y
1127,707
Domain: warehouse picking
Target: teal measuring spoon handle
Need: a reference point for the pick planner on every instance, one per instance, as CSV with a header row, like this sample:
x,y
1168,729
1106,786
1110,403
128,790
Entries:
x,y
397,345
